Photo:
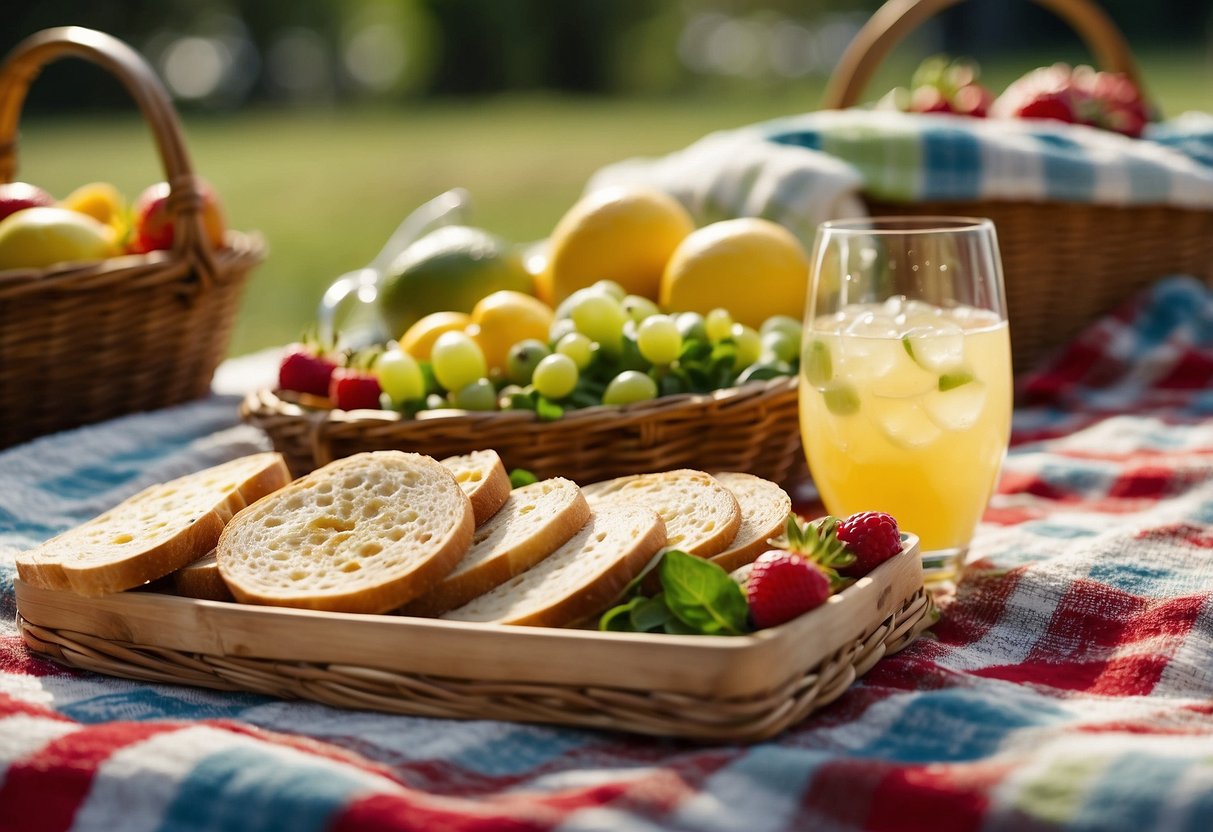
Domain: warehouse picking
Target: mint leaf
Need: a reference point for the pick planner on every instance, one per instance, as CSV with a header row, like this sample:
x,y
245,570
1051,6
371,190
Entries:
x,y
841,399
816,363
702,596
520,477
954,379
651,614
619,619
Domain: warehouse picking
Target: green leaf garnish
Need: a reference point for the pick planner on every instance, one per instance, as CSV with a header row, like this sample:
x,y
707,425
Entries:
x,y
547,410
841,399
702,595
817,542
651,614
954,379
520,477
909,347
619,619
816,364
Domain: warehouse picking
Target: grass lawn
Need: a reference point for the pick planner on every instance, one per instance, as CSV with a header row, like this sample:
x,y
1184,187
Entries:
x,y
326,188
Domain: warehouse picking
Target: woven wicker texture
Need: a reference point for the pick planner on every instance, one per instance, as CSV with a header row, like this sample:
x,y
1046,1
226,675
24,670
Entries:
x,y
365,688
752,428
1065,263
84,342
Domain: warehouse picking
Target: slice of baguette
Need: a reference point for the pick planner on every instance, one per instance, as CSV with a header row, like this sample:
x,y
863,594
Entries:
x,y
366,533
764,514
579,580
482,477
536,520
153,533
701,516
201,579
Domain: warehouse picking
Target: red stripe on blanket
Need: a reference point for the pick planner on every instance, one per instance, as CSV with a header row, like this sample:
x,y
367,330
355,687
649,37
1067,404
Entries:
x,y
1091,621
1192,371
1199,536
1075,364
383,813
42,792
16,657
950,798
840,793
11,706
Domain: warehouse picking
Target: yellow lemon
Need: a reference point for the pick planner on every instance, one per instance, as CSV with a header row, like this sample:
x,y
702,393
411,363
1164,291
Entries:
x,y
40,237
620,234
104,203
752,267
504,318
420,337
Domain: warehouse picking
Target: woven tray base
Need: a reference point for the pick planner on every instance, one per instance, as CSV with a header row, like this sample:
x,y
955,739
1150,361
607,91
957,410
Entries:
x,y
363,688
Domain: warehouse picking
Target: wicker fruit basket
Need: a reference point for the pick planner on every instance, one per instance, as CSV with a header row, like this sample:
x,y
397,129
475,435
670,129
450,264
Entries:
x,y
706,688
84,342
1065,263
750,428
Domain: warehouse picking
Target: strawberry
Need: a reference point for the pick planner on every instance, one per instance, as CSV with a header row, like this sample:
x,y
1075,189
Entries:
x,y
782,586
305,371
354,389
872,537
1081,95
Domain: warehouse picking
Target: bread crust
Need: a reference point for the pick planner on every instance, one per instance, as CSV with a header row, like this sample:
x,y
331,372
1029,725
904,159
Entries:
x,y
493,489
463,585
201,579
395,588
51,565
764,513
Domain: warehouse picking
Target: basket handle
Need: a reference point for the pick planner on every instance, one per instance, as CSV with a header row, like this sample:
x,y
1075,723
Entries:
x,y
27,59
897,18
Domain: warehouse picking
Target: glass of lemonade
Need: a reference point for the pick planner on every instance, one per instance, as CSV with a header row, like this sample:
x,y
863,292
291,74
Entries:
x,y
905,394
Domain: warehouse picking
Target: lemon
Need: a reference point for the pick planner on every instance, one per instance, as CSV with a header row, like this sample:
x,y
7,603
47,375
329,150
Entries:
x,y
448,270
621,234
419,339
752,267
104,203
40,237
504,318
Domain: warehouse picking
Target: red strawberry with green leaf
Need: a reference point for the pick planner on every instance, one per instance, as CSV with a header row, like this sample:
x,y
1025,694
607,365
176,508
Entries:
x,y
353,388
304,370
782,586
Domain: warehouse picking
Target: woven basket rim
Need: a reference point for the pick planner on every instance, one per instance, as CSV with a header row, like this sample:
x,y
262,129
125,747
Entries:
x,y
268,402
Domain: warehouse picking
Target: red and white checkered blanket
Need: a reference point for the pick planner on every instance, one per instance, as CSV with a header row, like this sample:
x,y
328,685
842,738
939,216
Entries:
x,y
1068,686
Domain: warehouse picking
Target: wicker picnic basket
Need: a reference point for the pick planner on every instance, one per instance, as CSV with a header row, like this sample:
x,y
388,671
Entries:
x,y
84,342
751,428
1065,263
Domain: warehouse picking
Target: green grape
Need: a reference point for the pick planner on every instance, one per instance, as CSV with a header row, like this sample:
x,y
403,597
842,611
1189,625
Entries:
x,y
718,325
435,402
457,361
748,343
611,288
659,339
629,387
523,358
479,395
781,323
560,328
639,307
400,376
505,396
564,309
555,376
690,325
577,347
780,345
601,318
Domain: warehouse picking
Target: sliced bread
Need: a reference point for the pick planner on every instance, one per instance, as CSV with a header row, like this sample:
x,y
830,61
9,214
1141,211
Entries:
x,y
201,579
366,533
701,516
764,514
482,477
153,533
535,521
579,580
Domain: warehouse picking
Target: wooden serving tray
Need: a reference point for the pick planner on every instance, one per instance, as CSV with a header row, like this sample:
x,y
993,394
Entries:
x,y
742,688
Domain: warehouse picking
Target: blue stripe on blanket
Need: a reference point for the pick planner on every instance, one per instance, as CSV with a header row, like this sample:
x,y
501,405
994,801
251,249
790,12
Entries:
x,y
151,703
1131,792
952,166
1069,174
245,789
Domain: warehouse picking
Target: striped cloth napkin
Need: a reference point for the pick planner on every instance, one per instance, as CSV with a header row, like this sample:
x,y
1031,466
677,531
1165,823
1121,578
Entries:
x,y
1069,684
804,169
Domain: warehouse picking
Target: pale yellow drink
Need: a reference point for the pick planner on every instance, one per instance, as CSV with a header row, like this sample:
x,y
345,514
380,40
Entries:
x,y
906,408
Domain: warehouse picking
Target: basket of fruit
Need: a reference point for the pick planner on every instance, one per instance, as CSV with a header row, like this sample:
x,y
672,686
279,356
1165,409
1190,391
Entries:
x,y
103,311
1117,249
637,344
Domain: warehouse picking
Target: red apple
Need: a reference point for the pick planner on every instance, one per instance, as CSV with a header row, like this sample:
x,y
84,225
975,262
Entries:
x,y
154,225
17,196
